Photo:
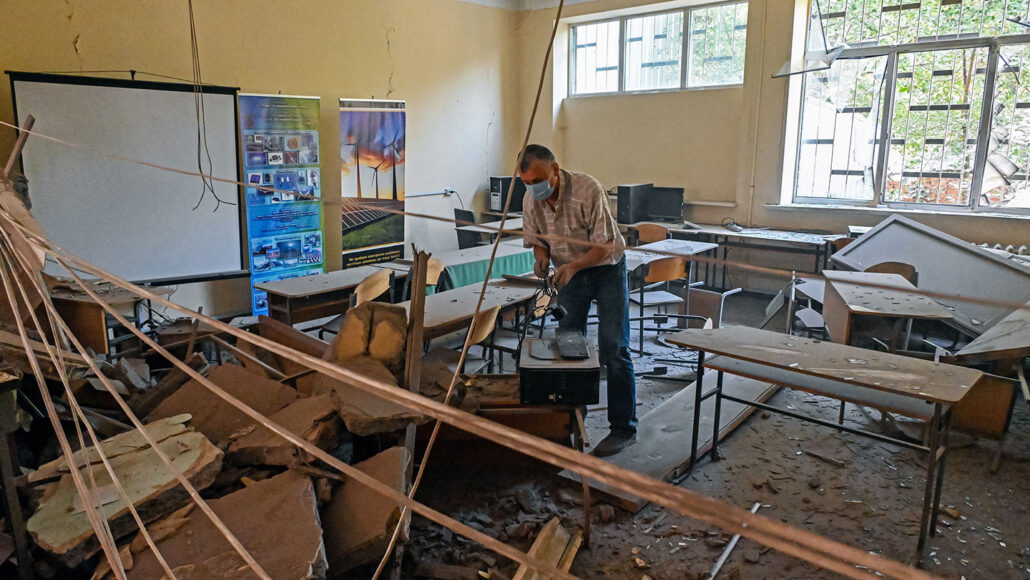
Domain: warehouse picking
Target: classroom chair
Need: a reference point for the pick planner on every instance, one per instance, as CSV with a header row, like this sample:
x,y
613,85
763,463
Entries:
x,y
648,233
370,289
906,271
653,291
434,269
480,333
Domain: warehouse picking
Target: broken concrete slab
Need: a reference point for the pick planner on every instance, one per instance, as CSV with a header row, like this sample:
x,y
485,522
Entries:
x,y
314,419
276,520
212,415
362,412
359,521
374,329
116,446
58,528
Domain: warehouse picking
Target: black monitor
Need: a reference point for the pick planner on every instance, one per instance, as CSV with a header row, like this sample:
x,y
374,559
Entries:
x,y
665,204
632,204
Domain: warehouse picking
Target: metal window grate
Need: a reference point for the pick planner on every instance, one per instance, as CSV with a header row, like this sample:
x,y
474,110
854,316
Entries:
x,y
718,35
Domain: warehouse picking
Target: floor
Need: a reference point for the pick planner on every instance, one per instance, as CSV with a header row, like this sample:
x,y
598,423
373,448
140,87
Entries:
x,y
872,502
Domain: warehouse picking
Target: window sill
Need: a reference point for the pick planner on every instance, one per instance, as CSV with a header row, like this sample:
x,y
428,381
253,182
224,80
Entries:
x,y
890,210
656,91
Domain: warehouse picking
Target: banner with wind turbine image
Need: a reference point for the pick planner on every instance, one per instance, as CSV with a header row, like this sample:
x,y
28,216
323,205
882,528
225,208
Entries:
x,y
372,180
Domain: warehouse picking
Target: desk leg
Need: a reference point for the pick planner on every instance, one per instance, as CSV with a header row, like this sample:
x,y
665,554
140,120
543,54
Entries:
x,y
697,407
725,253
945,432
931,479
718,411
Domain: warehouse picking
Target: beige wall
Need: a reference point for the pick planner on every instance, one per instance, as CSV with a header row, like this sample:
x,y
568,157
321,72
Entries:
x,y
720,144
453,62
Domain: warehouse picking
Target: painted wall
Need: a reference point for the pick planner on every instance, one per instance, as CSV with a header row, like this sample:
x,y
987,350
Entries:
x,y
722,145
453,62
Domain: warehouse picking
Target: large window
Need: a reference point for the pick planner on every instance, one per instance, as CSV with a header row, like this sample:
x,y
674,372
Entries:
x,y
928,105
646,52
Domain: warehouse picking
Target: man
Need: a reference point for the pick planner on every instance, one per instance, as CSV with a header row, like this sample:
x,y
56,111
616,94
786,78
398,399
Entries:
x,y
573,207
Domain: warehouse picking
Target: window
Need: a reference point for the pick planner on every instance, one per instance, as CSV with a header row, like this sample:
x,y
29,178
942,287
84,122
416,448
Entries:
x,y
646,52
595,58
927,105
654,45
717,39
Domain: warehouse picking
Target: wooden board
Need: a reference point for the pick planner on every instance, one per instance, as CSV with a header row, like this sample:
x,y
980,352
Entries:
x,y
276,520
555,545
1009,339
945,264
662,449
882,302
934,382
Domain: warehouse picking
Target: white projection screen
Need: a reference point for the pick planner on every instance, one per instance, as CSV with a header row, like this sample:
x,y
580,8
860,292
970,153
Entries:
x,y
134,221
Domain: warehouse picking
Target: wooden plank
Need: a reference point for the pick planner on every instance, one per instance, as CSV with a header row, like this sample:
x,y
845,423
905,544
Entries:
x,y
554,544
87,321
662,449
883,302
932,381
1009,339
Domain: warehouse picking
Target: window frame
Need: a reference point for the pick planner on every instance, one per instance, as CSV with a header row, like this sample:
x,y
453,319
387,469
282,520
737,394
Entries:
x,y
893,53
684,52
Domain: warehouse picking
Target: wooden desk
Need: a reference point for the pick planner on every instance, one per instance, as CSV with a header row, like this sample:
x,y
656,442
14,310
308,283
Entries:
x,y
843,301
468,266
641,256
819,246
492,227
452,310
86,318
913,387
309,297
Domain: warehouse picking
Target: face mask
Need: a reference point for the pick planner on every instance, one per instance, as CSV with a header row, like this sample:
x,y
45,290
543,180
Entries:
x,y
540,191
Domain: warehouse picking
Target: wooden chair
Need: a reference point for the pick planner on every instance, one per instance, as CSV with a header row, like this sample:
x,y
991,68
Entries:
x,y
841,243
480,333
906,271
648,233
368,290
434,269
653,291
706,305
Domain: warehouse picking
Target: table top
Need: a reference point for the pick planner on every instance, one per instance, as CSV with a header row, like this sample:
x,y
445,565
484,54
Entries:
x,y
805,238
491,227
479,253
927,380
883,302
107,292
639,255
318,283
1009,339
453,309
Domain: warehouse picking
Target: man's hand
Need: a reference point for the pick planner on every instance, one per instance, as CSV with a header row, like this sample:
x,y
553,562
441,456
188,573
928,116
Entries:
x,y
541,267
564,274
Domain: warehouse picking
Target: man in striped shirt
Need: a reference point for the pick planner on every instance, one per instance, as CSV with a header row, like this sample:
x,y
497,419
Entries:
x,y
584,242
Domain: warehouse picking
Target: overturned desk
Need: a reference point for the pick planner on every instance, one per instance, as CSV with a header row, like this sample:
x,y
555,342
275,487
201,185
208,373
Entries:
x,y
908,386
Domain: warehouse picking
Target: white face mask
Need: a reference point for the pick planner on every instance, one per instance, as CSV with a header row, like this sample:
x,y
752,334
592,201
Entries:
x,y
540,191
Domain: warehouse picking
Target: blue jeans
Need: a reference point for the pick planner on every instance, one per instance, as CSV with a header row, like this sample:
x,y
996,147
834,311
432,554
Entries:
x,y
607,285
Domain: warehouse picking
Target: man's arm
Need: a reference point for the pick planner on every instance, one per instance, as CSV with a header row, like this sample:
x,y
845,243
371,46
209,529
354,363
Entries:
x,y
543,261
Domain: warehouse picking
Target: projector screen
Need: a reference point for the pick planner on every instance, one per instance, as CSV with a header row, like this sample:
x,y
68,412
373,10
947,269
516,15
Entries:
x,y
134,221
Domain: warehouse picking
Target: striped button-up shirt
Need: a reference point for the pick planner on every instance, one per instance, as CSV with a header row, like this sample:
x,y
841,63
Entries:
x,y
582,212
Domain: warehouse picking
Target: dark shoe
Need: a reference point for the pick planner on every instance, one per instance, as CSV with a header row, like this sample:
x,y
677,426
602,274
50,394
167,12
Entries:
x,y
615,442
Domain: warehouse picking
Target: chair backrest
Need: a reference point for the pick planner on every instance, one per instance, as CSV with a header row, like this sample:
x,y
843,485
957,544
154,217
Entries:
x,y
709,304
466,239
840,243
666,270
647,233
433,270
906,271
373,287
483,325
